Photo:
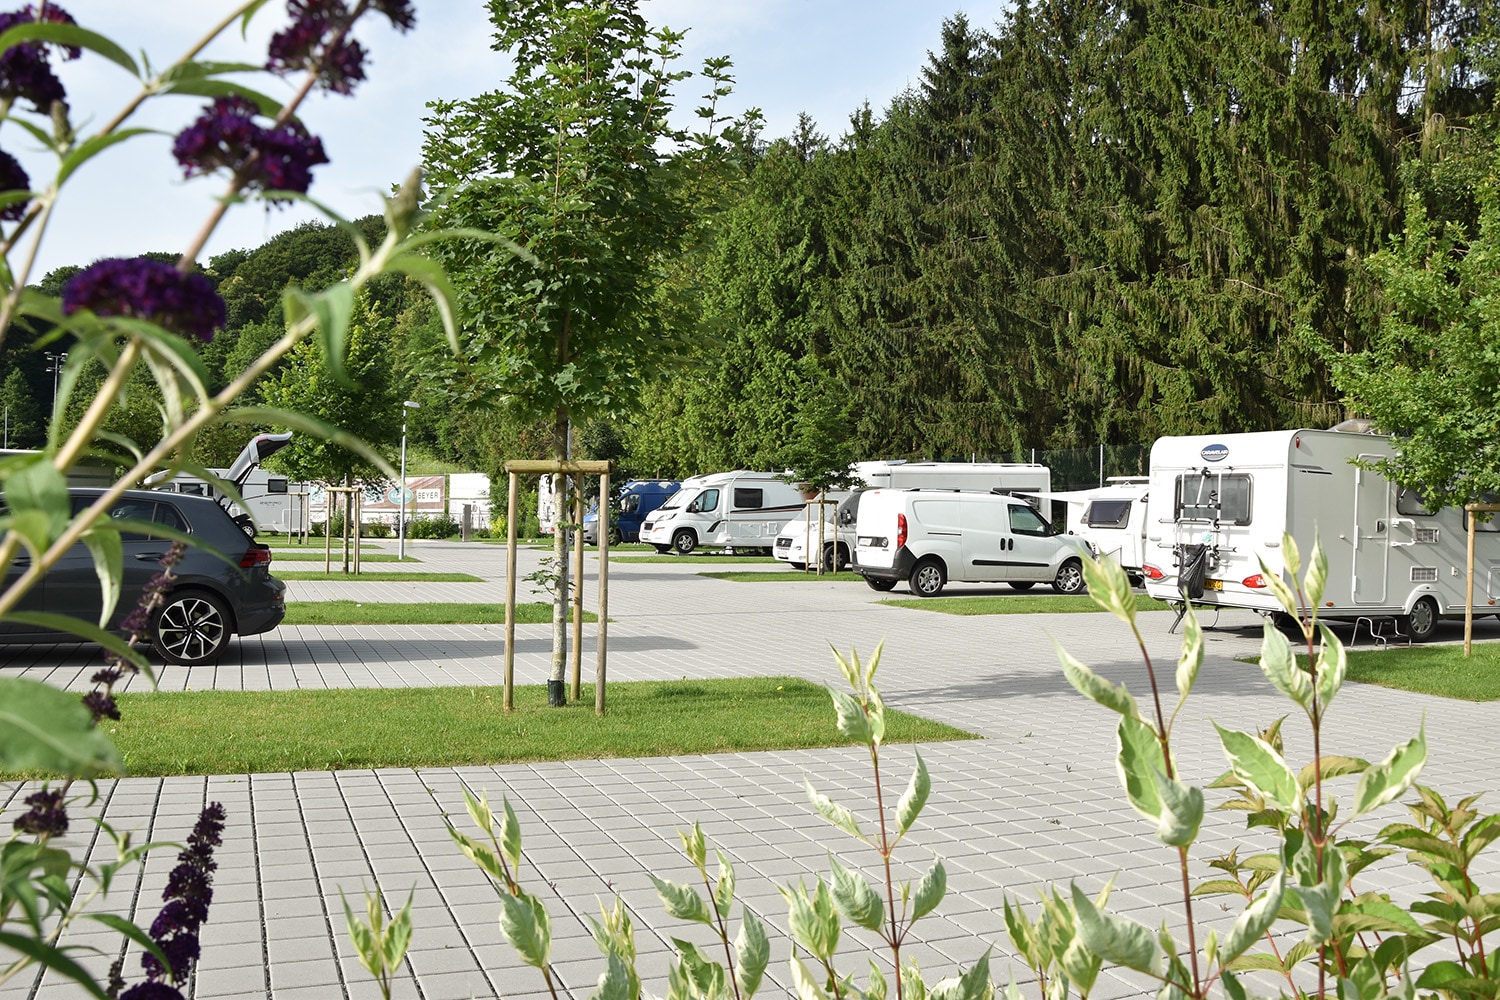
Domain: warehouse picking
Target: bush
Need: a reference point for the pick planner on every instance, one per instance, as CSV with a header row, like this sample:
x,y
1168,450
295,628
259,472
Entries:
x,y
376,530
432,527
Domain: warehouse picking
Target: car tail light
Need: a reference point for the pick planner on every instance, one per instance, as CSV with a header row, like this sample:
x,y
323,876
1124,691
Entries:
x,y
900,530
256,557
1256,582
1151,572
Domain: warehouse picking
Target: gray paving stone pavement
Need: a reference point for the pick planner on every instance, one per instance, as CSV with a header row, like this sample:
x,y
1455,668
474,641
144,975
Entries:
x,y
1034,802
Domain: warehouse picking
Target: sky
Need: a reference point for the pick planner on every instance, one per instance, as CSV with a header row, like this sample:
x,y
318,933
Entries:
x,y
822,57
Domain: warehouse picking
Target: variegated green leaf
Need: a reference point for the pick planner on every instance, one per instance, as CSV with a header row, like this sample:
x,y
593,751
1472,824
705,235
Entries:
x,y
913,799
1316,579
807,987
695,847
1333,664
1181,811
752,952
855,899
1253,922
1386,781
682,901
930,891
1109,588
833,812
1258,765
1139,758
1278,586
724,887
852,720
1190,660
1116,939
1092,686
1280,667
525,924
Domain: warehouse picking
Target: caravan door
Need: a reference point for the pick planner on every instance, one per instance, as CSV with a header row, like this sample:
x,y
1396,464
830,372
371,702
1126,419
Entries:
x,y
1372,533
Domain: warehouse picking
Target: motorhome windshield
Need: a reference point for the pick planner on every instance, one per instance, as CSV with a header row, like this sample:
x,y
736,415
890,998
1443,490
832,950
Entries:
x,y
1215,496
678,499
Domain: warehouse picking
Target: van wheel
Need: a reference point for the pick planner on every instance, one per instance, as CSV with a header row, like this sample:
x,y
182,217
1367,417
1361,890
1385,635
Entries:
x,y
835,558
1022,585
1421,624
880,585
1069,578
927,578
684,542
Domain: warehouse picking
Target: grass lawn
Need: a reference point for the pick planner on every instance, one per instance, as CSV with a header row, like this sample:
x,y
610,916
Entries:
x,y
304,555
1019,604
435,613
1439,670
796,576
377,577
703,558
238,732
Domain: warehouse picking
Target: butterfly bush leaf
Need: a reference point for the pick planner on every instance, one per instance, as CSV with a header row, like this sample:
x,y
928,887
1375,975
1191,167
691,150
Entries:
x,y
1388,780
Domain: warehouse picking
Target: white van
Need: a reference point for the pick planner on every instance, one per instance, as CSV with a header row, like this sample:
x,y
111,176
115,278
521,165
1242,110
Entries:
x,y
929,537
738,509
1111,518
1221,503
839,523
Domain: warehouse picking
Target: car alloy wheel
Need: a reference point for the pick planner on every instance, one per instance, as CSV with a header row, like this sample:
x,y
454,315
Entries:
x,y
192,628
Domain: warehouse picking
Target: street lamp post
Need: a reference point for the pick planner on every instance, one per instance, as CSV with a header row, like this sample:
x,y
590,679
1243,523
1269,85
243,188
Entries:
x,y
55,365
401,492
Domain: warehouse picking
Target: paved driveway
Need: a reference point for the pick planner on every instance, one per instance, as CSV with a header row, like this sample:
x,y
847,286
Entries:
x,y
1035,801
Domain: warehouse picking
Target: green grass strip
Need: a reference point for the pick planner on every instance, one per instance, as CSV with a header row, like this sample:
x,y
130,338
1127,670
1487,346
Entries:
x,y
377,577
696,559
796,576
435,613
239,732
1436,670
1018,604
294,555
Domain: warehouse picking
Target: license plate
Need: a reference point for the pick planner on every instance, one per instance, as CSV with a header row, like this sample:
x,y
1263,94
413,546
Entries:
x,y
1213,584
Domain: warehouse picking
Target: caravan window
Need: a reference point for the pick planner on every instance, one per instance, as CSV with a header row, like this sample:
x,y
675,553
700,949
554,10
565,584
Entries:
x,y
1410,503
707,500
1217,496
747,498
1107,514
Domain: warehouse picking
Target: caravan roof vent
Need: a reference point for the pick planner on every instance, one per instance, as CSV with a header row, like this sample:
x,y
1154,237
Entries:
x,y
1424,574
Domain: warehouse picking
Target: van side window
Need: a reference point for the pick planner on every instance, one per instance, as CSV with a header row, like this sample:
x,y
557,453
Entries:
x,y
631,503
747,498
1410,503
1217,496
706,501
1025,521
1107,514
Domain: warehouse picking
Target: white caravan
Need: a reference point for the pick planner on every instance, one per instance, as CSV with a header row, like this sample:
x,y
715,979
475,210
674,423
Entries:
x,y
1112,518
738,509
839,523
1220,503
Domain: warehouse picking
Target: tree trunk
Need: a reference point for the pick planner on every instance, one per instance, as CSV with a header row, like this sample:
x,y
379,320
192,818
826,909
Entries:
x,y
556,692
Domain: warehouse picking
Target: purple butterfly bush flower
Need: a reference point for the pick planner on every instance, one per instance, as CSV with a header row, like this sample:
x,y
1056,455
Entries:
x,y
47,817
12,178
318,41
150,290
25,72
188,894
226,136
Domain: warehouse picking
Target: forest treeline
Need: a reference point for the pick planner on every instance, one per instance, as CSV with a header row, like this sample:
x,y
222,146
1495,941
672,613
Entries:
x,y
1089,223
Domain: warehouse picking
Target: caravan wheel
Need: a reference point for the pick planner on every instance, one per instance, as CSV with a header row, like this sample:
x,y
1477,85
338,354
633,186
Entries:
x,y
1422,622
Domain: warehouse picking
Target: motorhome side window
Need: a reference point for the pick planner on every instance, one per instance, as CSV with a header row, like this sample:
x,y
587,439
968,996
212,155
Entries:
x,y
1480,524
1025,521
707,500
276,485
1107,514
1213,497
1410,503
747,498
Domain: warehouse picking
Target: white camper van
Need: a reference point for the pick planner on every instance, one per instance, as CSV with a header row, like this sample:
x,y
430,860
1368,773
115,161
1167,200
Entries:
x,y
738,509
1112,518
1220,503
839,523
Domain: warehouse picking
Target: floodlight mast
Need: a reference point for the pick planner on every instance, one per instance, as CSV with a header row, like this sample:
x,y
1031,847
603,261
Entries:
x,y
401,491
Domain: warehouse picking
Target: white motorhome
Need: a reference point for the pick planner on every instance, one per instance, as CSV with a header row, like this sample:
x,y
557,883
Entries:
x,y
1228,498
268,502
1112,518
740,509
839,522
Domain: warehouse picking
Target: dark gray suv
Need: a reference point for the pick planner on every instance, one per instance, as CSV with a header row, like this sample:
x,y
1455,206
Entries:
x,y
211,599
